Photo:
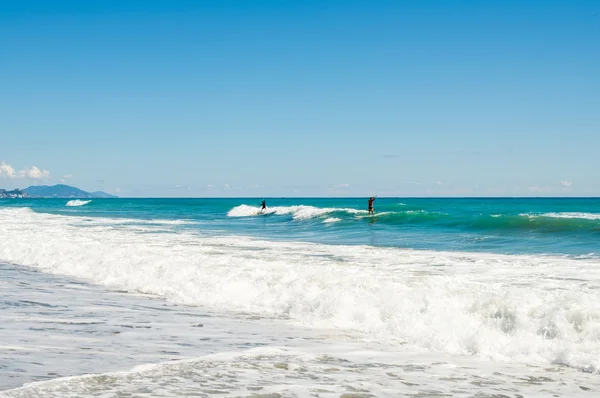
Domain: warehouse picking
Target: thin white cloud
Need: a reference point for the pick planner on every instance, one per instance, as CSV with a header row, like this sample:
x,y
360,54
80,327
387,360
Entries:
x,y
343,186
566,184
7,171
438,182
226,186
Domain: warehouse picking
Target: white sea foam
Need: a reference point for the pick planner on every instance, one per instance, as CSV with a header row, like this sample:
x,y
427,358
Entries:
x,y
166,222
585,216
331,220
125,221
300,212
509,308
383,213
291,372
77,202
246,211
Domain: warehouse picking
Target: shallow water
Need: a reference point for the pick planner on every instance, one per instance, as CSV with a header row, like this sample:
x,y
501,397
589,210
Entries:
x,y
164,306
102,335
502,225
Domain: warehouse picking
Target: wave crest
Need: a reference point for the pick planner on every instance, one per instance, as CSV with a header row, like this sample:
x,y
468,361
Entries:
x,y
541,223
583,216
300,212
77,202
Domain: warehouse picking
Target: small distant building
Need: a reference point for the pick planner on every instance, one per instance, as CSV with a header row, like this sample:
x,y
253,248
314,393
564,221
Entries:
x,y
14,194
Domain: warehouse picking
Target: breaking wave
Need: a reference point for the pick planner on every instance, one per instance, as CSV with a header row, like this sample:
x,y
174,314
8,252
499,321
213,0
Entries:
x,y
77,202
519,308
546,222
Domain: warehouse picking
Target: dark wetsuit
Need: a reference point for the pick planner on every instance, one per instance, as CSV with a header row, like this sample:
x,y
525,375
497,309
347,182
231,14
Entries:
x,y
371,199
264,205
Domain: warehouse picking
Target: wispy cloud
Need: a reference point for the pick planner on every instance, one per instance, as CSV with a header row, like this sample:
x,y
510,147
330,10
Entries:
x,y
34,173
566,184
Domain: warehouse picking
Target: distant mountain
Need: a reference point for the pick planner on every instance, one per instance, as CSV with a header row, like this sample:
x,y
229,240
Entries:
x,y
57,191
62,191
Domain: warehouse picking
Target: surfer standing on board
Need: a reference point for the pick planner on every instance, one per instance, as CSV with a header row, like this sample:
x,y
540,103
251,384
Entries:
x,y
371,200
263,205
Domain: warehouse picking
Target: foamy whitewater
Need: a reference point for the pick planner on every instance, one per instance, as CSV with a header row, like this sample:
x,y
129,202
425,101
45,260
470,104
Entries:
x,y
77,202
454,298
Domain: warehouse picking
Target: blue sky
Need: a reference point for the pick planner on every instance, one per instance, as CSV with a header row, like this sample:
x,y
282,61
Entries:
x,y
311,98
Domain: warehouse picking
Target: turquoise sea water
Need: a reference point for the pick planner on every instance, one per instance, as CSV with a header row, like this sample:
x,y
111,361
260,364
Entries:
x,y
513,226
310,297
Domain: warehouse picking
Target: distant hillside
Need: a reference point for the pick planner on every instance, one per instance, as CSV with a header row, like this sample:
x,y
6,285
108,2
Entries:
x,y
63,191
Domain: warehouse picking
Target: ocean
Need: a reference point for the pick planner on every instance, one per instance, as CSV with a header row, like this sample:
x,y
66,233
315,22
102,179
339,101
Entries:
x,y
311,297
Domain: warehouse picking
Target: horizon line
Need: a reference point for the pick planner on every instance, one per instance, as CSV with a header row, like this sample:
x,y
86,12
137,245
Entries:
x,y
331,197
